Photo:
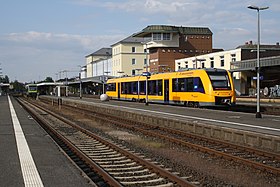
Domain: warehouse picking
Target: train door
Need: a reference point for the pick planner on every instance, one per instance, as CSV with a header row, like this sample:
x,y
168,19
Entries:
x,y
119,91
166,91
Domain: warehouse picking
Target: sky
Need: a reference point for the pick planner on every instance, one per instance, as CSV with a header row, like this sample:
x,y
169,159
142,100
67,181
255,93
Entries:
x,y
40,38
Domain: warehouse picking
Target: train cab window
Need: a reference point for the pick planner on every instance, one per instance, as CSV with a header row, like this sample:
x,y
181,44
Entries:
x,y
219,80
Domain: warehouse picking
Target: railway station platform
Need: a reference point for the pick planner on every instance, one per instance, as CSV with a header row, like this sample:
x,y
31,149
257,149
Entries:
x,y
28,156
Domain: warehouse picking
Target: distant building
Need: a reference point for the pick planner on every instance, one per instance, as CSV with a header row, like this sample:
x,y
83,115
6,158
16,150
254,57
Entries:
x,y
244,77
168,43
99,62
128,57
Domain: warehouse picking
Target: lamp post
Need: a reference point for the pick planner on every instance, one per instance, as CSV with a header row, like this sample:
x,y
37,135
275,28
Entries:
x,y
258,114
146,54
80,79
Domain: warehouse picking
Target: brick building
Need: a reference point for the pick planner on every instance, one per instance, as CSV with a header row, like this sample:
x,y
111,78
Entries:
x,y
168,43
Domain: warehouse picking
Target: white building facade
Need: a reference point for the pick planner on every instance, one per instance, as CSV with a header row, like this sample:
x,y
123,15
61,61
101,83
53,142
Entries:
x,y
128,57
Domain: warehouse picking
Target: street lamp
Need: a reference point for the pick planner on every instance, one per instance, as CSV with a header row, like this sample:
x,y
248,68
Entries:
x,y
258,114
146,54
107,72
80,79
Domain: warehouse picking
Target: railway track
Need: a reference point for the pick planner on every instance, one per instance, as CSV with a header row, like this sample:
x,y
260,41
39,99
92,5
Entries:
x,y
116,164
259,159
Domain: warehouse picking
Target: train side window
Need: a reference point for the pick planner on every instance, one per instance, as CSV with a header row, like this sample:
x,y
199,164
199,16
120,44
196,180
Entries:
x,y
111,87
123,90
181,85
189,84
142,85
134,88
174,85
151,86
159,87
197,85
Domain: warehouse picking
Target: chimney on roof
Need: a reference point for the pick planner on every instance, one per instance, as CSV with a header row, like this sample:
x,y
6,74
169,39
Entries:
x,y
251,42
246,43
277,43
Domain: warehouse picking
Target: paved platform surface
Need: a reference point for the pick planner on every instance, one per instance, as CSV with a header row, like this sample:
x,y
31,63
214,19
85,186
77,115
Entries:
x,y
50,163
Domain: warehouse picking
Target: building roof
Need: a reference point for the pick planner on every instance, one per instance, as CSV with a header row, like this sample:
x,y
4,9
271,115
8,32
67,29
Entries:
x,y
102,52
254,46
130,39
173,29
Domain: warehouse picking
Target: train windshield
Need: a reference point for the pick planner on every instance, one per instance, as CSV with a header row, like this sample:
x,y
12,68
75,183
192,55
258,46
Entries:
x,y
32,88
219,80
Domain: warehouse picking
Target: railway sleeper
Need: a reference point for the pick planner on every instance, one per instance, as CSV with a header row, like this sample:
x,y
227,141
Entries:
x,y
115,161
143,171
118,165
137,167
100,153
148,182
151,175
105,156
106,159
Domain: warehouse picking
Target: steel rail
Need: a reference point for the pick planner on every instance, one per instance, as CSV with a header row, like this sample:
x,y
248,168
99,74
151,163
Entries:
x,y
251,163
108,178
163,172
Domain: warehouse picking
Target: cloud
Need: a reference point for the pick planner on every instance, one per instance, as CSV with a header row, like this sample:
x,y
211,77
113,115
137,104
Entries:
x,y
53,41
41,54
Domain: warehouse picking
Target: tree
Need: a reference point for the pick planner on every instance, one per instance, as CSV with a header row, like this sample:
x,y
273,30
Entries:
x,y
4,79
48,79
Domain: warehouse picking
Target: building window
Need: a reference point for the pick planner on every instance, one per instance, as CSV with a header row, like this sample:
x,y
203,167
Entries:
x,y
202,65
133,50
133,61
145,61
222,61
194,64
133,72
166,36
212,62
156,36
233,57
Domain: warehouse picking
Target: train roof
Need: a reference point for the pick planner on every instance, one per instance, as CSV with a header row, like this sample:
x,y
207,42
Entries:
x,y
167,74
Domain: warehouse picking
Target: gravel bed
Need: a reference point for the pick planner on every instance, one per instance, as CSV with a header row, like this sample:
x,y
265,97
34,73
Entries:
x,y
210,170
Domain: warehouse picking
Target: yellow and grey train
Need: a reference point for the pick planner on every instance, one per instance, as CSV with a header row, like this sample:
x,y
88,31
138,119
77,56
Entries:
x,y
195,88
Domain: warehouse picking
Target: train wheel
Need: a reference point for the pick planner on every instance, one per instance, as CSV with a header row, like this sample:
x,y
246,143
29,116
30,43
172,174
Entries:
x,y
196,105
191,104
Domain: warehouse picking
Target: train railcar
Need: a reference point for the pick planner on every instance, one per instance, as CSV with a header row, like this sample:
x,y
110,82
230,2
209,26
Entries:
x,y
32,90
197,87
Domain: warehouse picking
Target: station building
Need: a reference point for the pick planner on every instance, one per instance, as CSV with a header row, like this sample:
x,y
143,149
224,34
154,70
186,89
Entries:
x,y
166,43
128,57
241,62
